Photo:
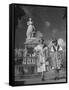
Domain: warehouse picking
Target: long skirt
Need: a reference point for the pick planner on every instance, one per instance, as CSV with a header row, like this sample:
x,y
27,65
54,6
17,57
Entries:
x,y
56,60
41,64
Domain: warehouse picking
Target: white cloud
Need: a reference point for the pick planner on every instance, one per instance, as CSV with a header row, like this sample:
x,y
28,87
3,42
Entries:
x,y
47,23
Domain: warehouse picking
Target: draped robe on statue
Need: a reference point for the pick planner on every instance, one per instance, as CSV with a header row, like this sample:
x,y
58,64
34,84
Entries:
x,y
29,29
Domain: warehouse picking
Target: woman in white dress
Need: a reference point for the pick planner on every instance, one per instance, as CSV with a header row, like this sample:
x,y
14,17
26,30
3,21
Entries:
x,y
41,59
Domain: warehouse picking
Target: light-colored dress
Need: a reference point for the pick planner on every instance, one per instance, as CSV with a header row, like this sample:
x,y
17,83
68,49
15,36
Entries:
x,y
41,58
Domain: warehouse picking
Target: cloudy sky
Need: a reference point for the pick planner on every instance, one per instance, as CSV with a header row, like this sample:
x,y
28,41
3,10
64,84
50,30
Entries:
x,y
47,20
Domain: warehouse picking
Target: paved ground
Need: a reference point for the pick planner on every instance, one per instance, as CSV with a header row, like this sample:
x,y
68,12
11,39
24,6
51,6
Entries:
x,y
49,78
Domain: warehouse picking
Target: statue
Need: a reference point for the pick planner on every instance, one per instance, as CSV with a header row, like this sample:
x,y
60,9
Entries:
x,y
30,29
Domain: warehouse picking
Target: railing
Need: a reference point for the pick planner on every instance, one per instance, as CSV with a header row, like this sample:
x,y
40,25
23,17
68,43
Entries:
x,y
30,60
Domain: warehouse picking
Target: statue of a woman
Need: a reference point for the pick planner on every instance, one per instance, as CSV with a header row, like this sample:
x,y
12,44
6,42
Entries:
x,y
30,29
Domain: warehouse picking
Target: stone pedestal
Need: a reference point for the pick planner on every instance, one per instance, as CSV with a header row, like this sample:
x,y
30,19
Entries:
x,y
30,60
